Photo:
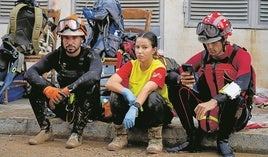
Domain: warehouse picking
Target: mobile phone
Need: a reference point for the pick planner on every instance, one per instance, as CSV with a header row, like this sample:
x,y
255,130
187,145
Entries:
x,y
188,68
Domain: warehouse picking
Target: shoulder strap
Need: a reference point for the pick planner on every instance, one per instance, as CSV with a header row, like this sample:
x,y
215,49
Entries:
x,y
204,55
37,25
160,57
11,74
236,48
37,28
204,59
252,84
13,19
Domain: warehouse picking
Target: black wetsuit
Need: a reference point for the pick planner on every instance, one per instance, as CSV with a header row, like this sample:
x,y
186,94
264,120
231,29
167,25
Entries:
x,y
81,74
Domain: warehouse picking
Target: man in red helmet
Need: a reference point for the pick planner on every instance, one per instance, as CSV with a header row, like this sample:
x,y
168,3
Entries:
x,y
218,78
76,97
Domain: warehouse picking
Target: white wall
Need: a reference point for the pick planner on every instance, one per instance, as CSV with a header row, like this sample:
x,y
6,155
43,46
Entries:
x,y
181,43
3,30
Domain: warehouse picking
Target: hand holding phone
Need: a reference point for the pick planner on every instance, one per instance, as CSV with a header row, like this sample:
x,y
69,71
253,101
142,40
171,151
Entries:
x,y
188,68
187,78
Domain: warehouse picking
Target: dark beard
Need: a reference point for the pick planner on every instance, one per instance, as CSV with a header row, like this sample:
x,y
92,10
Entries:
x,y
73,51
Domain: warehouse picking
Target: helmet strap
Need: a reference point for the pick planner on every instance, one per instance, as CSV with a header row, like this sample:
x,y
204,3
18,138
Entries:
x,y
204,45
223,42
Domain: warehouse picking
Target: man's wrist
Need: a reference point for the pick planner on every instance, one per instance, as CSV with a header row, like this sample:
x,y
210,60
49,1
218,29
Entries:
x,y
70,88
214,101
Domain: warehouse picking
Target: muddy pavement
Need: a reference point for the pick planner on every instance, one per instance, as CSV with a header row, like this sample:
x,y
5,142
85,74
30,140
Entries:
x,y
17,146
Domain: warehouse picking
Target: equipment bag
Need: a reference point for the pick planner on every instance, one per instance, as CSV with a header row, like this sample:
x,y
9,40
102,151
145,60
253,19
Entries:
x,y
210,122
106,21
26,24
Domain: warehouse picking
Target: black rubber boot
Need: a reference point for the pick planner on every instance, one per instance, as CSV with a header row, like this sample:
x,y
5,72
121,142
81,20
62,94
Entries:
x,y
224,149
192,144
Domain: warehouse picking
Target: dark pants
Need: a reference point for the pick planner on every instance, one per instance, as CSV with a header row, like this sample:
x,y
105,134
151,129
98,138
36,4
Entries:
x,y
155,111
185,100
86,106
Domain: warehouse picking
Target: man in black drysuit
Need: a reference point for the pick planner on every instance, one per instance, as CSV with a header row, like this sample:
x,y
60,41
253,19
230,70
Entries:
x,y
76,98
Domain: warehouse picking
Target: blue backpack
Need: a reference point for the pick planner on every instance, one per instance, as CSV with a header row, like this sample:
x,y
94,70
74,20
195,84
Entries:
x,y
106,21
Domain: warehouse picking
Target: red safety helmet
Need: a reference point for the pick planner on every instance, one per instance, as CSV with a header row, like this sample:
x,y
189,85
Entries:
x,y
213,27
72,25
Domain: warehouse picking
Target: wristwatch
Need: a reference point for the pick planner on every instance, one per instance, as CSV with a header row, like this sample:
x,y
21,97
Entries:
x,y
138,105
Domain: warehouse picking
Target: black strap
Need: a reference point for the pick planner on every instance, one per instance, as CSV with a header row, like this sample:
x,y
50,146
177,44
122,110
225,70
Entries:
x,y
204,60
236,48
205,56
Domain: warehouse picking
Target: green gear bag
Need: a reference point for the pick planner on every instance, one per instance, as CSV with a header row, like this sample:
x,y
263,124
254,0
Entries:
x,y
25,26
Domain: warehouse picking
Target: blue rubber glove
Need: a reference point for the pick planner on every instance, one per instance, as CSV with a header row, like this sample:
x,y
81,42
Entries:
x,y
129,96
129,120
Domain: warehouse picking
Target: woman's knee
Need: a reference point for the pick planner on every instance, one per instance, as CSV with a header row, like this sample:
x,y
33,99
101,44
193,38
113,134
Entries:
x,y
118,103
116,99
155,102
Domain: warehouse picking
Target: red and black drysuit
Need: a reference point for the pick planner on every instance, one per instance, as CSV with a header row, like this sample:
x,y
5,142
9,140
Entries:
x,y
81,74
212,76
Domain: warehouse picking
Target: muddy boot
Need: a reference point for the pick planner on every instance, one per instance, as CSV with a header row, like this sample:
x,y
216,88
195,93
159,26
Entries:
x,y
74,140
43,136
120,140
155,140
39,106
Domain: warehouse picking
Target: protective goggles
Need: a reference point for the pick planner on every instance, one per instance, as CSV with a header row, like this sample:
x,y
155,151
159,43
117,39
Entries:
x,y
209,30
71,24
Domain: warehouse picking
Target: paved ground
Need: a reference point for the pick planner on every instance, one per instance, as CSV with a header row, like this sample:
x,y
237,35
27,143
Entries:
x,y
17,118
17,146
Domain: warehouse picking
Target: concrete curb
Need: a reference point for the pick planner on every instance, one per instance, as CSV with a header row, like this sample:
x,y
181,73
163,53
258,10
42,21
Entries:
x,y
245,141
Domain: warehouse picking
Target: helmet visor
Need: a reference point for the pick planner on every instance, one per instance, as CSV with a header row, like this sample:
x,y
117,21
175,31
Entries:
x,y
71,24
204,39
207,29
